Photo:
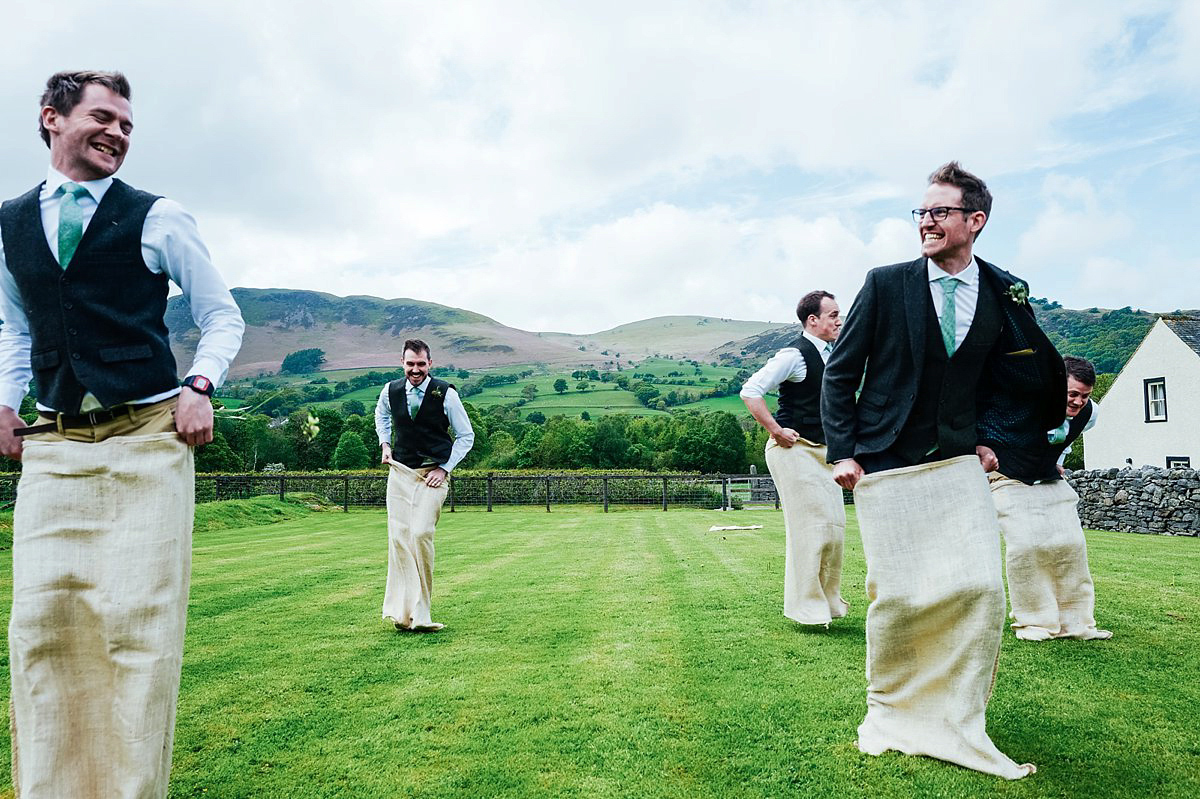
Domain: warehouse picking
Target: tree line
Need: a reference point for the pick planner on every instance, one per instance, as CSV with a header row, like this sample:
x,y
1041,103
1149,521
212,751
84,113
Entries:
x,y
713,442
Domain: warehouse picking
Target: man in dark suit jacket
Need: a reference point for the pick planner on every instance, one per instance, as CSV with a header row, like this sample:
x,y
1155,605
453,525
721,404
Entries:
x,y
919,404
930,342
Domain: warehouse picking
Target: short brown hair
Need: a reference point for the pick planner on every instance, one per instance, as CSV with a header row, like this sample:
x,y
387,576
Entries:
x,y
810,304
975,194
1081,369
417,346
64,90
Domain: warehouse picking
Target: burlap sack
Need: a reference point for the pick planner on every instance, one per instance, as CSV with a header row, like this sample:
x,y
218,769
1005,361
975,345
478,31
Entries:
x,y
814,520
936,616
413,512
102,542
1049,584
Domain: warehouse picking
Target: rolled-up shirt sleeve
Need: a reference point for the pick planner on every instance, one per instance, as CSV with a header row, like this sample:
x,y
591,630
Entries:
x,y
787,364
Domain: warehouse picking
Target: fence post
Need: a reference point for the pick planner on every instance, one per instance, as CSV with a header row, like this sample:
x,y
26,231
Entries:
x,y
664,493
606,495
547,493
489,492
345,495
282,487
724,492
452,493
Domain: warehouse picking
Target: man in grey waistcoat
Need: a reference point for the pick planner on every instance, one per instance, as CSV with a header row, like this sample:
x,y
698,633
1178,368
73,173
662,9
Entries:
x,y
103,520
424,432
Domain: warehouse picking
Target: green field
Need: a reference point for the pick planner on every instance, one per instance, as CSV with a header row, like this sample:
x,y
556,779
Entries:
x,y
599,399
633,654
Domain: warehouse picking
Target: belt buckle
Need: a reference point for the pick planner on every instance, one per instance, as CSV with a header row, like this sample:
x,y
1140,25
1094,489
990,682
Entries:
x,y
92,418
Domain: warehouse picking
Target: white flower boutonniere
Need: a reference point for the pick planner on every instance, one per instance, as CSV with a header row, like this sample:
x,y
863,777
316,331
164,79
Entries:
x,y
1019,293
435,392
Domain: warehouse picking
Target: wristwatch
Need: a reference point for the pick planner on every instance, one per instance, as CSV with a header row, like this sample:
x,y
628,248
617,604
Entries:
x,y
200,384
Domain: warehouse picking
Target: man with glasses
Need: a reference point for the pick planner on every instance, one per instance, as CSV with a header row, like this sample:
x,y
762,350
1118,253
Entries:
x,y
923,339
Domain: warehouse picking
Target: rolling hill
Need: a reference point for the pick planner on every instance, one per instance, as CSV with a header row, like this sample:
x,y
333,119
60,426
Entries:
x,y
362,331
369,332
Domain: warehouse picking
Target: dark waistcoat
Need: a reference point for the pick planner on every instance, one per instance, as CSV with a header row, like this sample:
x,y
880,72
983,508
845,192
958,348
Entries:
x,y
98,325
800,403
1040,462
426,438
943,413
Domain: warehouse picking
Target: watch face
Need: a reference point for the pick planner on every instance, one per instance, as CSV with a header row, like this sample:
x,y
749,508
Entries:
x,y
200,383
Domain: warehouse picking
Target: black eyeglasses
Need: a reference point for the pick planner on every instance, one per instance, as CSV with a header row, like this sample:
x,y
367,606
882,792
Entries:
x,y
939,213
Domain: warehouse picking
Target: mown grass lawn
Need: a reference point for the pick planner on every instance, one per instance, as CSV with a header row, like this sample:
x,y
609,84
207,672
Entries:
x,y
633,654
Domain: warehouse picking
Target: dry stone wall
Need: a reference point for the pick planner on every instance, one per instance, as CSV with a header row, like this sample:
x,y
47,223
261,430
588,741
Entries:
x,y
1145,500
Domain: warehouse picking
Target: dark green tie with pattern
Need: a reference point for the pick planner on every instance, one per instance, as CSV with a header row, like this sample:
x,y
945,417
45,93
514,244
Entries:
x,y
948,324
70,222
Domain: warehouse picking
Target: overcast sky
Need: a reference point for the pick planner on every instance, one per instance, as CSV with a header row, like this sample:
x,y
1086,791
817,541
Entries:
x,y
574,166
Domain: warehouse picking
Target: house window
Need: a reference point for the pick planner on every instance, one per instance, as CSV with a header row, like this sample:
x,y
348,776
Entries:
x,y
1156,399
1179,462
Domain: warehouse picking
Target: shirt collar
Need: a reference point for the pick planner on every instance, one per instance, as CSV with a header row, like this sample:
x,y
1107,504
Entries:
x,y
816,342
55,180
424,385
970,275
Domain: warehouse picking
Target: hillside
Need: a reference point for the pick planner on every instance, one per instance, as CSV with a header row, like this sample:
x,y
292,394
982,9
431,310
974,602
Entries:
x,y
367,332
362,331
678,336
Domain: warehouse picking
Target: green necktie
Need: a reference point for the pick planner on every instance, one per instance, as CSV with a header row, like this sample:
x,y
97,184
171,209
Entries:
x,y
70,222
1059,434
414,402
949,286
828,348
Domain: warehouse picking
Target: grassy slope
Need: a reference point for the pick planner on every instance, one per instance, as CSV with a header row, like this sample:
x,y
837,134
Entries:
x,y
600,399
633,654
676,335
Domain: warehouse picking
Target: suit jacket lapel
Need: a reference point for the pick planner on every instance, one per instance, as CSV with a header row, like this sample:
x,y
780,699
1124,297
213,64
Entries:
x,y
916,302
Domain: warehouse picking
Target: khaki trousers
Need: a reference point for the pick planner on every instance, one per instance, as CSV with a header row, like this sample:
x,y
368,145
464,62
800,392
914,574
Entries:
x,y
101,566
413,512
814,521
1049,583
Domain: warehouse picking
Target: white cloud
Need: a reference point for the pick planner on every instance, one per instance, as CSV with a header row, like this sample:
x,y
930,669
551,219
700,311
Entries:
x,y
653,158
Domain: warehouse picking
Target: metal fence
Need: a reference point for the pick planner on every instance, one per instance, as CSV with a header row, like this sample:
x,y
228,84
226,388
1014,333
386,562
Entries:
x,y
486,492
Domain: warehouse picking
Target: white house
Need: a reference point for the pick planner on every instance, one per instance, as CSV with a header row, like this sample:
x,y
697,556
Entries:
x,y
1151,414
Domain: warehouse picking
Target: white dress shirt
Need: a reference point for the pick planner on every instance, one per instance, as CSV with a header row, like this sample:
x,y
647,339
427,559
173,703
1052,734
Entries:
x,y
784,366
1091,422
966,297
460,423
171,245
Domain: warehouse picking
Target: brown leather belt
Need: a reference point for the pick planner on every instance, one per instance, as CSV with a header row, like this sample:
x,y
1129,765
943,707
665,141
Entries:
x,y
66,421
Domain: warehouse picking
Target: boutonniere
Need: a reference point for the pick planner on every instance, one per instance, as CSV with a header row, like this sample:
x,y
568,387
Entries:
x,y
1019,293
435,392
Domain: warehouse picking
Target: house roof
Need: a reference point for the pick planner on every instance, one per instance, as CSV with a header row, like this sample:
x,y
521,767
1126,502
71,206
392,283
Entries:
x,y
1187,328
